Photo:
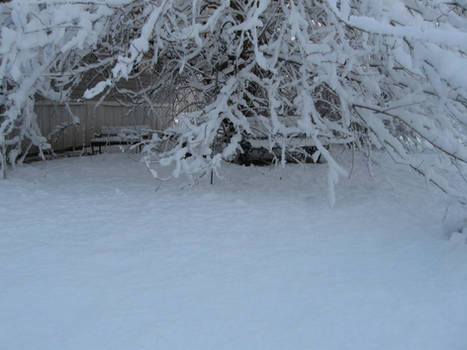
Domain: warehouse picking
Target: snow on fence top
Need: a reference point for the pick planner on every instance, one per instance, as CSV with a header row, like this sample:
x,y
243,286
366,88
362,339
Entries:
x,y
364,70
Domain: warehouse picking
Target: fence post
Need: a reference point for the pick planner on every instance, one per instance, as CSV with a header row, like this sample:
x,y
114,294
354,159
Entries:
x,y
3,160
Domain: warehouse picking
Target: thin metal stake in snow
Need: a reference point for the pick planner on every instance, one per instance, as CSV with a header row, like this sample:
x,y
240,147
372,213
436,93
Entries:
x,y
3,160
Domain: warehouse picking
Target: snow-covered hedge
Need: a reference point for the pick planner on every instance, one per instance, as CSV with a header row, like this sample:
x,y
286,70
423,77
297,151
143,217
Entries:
x,y
371,73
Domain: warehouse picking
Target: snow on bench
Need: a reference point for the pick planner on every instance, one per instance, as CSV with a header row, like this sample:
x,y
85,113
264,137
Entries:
x,y
120,135
263,144
289,135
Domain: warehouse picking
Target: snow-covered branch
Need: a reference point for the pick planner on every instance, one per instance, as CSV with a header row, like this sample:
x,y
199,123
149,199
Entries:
x,y
380,74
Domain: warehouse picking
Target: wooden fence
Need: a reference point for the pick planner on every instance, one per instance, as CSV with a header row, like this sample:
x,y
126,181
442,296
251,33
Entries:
x,y
92,119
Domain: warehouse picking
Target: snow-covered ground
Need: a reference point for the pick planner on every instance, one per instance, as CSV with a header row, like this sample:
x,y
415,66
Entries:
x,y
97,254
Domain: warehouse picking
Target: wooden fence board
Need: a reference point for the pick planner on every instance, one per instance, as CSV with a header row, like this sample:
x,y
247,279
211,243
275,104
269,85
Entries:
x,y
92,120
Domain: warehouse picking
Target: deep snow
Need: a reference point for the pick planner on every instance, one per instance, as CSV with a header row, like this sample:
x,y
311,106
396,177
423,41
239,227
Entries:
x,y
97,254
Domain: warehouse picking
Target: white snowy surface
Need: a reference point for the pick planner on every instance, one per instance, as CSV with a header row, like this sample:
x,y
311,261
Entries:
x,y
97,254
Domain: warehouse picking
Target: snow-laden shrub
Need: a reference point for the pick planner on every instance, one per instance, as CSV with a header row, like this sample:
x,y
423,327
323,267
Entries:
x,y
384,74
44,50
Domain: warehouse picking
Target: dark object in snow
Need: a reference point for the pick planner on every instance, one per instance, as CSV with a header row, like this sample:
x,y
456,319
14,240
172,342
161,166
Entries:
x,y
256,153
120,135
261,146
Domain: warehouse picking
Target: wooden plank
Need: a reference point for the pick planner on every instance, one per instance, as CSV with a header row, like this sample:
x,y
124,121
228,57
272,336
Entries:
x,y
110,113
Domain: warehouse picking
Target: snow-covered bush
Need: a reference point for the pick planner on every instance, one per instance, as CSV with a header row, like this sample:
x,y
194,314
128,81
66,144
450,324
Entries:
x,y
45,47
372,73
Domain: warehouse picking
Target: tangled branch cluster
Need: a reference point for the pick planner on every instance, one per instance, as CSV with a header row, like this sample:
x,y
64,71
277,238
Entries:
x,y
371,73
